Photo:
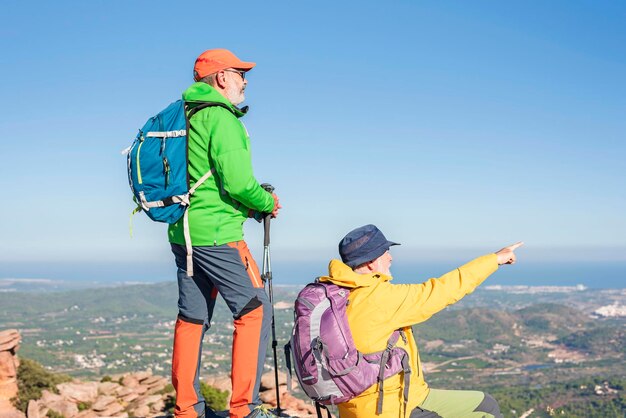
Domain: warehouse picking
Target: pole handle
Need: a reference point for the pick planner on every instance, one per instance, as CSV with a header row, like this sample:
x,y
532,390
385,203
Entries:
x,y
266,227
268,187
268,216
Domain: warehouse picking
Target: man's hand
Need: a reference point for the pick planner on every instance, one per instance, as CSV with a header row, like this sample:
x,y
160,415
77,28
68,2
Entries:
x,y
507,254
277,206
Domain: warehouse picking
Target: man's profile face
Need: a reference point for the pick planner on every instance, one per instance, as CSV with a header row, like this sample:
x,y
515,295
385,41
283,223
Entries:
x,y
383,264
235,86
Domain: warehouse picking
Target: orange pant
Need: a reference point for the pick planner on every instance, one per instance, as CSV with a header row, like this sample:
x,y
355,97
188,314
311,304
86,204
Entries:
x,y
230,270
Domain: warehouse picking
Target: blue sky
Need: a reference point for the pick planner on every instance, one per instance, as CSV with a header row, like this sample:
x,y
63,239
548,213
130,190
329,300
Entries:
x,y
456,127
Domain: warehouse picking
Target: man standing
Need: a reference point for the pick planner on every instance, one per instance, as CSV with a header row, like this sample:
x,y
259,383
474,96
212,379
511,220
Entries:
x,y
377,308
218,143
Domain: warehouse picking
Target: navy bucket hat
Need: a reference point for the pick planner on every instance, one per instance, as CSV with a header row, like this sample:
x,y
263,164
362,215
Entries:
x,y
363,244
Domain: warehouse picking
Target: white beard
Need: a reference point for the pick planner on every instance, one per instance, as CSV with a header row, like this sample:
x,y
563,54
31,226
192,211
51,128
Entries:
x,y
235,95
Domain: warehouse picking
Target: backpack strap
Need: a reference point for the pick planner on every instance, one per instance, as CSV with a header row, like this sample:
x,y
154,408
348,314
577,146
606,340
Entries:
x,y
167,134
188,245
182,199
189,112
381,372
287,349
318,409
406,370
202,105
186,230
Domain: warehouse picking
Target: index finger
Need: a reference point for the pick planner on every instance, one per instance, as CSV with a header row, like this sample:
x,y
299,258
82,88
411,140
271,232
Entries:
x,y
515,246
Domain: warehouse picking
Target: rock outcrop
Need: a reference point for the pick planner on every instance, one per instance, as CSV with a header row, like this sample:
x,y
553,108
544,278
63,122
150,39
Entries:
x,y
288,403
135,394
9,344
143,394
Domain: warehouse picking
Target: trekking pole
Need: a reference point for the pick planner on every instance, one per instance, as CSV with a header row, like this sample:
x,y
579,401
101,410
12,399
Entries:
x,y
266,275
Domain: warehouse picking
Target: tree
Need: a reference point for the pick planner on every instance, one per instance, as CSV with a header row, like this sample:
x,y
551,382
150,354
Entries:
x,y
214,397
32,379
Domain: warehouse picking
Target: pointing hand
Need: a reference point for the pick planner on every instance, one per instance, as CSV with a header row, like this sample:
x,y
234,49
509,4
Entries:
x,y
507,254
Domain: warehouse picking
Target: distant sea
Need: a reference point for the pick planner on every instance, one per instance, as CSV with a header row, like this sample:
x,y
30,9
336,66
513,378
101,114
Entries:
x,y
595,275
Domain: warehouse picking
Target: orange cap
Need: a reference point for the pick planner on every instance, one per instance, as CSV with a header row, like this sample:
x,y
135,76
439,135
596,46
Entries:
x,y
214,60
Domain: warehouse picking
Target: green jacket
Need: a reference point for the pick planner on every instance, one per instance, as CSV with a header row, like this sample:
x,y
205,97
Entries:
x,y
218,140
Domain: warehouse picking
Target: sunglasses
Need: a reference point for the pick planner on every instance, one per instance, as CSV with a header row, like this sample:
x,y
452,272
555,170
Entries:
x,y
242,74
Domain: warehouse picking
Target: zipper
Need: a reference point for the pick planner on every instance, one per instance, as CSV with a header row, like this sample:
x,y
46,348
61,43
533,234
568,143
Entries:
x,y
130,171
337,319
166,171
419,363
256,281
137,160
298,367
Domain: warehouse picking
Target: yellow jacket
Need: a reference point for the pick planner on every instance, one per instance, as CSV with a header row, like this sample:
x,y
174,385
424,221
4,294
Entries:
x,y
377,308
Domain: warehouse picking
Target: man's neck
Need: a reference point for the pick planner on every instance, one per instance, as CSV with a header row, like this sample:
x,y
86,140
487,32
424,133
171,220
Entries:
x,y
362,270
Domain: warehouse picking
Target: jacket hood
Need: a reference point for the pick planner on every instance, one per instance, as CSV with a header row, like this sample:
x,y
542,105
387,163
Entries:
x,y
342,275
202,92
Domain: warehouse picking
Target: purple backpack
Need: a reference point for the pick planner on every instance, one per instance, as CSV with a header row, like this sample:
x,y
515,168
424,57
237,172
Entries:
x,y
328,366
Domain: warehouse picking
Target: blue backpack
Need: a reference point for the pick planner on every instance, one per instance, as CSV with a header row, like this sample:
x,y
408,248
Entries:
x,y
157,166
